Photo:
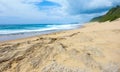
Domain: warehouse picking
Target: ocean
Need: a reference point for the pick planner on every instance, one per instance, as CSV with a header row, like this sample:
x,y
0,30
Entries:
x,y
17,31
25,28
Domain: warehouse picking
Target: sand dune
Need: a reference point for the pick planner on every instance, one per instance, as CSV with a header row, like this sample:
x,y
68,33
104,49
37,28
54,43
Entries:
x,y
93,48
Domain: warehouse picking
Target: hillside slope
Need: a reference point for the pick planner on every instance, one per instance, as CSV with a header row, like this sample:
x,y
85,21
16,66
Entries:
x,y
112,15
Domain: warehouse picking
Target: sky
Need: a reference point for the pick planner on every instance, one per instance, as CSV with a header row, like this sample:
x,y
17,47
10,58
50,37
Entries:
x,y
52,11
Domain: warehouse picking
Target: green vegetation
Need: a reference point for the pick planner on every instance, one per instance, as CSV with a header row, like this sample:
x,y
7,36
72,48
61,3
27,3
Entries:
x,y
112,15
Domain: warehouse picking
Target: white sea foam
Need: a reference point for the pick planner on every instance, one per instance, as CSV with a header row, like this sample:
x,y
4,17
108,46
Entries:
x,y
48,28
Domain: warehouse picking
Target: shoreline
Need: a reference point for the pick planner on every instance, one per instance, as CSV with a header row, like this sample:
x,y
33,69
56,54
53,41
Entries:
x,y
18,36
51,29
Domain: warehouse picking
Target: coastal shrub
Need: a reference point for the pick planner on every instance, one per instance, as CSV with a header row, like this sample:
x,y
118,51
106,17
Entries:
x,y
111,15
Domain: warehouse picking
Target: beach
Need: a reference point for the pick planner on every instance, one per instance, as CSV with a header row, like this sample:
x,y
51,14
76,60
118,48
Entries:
x,y
95,47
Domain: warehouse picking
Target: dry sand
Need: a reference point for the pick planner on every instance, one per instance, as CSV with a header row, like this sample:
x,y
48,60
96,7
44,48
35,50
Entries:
x,y
93,48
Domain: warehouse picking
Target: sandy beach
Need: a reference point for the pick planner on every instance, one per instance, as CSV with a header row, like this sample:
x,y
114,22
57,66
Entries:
x,y
93,48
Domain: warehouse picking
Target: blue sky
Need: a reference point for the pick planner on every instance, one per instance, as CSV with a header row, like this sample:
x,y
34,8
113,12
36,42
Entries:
x,y
52,11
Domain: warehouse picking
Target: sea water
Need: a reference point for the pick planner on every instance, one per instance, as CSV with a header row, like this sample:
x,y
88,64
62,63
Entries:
x,y
25,28
17,31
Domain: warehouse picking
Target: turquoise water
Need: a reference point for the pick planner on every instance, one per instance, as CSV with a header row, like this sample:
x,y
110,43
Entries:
x,y
10,29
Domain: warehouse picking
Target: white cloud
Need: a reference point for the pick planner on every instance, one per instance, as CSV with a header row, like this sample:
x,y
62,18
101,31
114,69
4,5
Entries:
x,y
27,10
18,8
69,10
78,6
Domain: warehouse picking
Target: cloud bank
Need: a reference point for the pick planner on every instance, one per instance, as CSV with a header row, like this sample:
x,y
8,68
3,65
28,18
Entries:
x,y
52,11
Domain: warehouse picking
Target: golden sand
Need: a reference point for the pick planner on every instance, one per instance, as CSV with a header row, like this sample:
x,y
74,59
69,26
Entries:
x,y
93,48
